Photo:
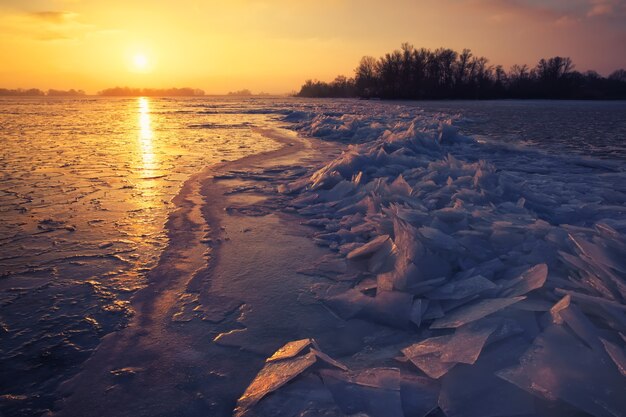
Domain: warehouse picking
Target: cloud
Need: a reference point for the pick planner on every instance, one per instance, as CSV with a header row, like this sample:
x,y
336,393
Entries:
x,y
608,15
54,17
606,8
46,25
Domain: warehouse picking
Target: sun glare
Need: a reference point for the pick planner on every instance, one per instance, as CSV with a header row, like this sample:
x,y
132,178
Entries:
x,y
141,62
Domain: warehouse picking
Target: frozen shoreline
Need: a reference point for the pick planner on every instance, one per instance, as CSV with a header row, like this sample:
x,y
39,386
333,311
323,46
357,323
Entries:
x,y
164,360
507,264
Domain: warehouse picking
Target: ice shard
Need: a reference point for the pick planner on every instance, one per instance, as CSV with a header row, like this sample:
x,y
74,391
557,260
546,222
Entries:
x,y
617,354
426,356
475,391
530,280
369,248
374,392
559,366
468,341
286,364
273,376
457,290
419,395
472,312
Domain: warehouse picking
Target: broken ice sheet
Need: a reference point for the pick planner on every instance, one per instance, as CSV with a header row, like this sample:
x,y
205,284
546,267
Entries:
x,y
461,289
290,350
426,356
369,248
617,354
374,392
287,363
472,312
599,253
419,395
558,366
468,341
474,390
387,307
530,280
273,376
437,239
305,396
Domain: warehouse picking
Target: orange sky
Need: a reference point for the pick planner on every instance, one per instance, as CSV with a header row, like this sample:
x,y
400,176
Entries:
x,y
274,45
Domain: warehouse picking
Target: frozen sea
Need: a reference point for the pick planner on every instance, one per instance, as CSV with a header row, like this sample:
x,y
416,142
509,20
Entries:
x,y
86,188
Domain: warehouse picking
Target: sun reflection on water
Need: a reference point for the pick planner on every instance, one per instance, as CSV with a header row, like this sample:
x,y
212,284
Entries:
x,y
146,136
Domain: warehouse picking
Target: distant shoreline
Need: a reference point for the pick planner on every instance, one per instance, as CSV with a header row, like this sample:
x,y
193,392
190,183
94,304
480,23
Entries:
x,y
127,92
270,96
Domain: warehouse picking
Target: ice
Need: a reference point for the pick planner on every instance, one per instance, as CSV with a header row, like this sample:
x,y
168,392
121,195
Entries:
x,y
387,307
599,253
347,304
290,350
305,396
474,390
530,280
273,376
560,367
471,243
283,366
374,392
467,342
369,248
438,239
617,354
462,289
426,355
419,395
472,312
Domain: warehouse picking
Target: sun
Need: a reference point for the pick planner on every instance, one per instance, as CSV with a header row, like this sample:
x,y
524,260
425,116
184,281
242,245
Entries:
x,y
140,61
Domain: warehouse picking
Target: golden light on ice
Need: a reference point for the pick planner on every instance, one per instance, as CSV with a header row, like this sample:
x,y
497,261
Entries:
x,y
140,62
145,135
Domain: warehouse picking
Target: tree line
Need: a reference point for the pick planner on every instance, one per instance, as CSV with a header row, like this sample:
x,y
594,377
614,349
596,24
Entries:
x,y
35,92
410,73
150,92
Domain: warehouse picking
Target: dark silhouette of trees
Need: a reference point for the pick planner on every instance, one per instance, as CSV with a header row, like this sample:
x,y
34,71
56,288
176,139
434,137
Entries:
x,y
65,93
366,80
150,92
21,92
340,87
244,92
112,92
410,73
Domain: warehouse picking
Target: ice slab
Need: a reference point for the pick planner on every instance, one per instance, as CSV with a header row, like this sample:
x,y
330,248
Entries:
x,y
369,248
286,364
273,376
419,395
426,356
387,307
468,341
599,253
558,366
530,280
305,396
290,350
374,392
617,354
475,391
472,312
457,290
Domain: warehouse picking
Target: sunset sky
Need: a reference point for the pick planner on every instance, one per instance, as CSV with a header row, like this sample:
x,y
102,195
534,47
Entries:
x,y
274,45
